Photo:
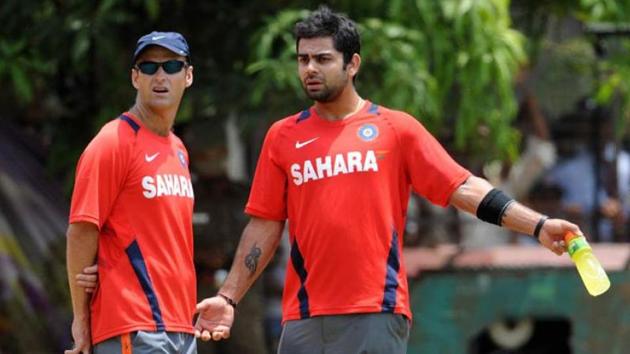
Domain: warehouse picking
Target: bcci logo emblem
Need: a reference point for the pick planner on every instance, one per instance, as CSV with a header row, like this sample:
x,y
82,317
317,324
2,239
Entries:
x,y
368,132
182,158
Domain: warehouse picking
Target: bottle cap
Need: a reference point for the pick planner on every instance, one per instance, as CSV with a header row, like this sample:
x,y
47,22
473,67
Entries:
x,y
568,236
575,243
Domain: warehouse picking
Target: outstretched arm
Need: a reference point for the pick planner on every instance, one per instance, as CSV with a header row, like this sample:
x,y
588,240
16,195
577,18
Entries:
x,y
517,217
258,244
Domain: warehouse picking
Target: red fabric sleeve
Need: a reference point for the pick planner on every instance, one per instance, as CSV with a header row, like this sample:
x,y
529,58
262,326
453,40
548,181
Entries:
x,y
268,195
432,171
99,178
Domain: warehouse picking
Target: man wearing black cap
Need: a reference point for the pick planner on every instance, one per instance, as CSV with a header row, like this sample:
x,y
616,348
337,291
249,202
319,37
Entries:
x,y
131,212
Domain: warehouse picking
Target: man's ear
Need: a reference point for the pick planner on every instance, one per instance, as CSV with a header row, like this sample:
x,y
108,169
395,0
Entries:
x,y
354,64
134,78
189,76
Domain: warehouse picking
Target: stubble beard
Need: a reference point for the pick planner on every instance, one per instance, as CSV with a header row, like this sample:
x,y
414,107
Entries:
x,y
327,94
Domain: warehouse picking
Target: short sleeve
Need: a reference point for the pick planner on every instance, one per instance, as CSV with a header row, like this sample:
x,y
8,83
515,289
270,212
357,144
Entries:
x,y
268,195
432,171
99,178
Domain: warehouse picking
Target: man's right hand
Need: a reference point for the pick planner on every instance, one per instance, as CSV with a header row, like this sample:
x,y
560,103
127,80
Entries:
x,y
81,337
215,319
88,278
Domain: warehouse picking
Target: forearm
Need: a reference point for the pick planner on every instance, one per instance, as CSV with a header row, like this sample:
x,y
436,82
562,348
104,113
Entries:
x,y
520,218
81,248
257,246
516,217
499,209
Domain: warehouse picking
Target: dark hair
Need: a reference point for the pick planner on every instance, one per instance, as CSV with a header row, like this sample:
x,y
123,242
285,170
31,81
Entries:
x,y
325,23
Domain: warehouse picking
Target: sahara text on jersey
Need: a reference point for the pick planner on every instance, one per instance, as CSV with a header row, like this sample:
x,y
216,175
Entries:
x,y
329,166
167,185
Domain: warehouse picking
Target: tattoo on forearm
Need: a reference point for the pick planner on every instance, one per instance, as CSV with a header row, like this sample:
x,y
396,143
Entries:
x,y
251,260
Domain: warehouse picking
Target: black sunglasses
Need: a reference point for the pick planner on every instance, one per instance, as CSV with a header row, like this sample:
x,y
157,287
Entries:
x,y
169,67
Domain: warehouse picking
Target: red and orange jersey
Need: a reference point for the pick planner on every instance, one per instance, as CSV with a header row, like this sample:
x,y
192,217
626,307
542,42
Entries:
x,y
135,186
344,187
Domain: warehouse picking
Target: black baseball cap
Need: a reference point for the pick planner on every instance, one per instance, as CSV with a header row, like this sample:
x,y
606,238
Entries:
x,y
172,41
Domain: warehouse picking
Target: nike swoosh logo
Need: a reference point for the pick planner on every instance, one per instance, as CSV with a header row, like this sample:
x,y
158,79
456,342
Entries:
x,y
149,158
299,145
157,37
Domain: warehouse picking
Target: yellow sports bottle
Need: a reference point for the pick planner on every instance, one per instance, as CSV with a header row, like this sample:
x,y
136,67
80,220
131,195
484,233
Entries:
x,y
593,275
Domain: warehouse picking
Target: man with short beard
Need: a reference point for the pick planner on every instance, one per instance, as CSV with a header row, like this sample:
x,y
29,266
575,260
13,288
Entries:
x,y
341,173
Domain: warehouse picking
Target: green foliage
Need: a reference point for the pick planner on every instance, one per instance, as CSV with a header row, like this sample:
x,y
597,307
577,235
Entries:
x,y
566,64
13,67
63,60
152,8
604,10
394,70
614,87
450,63
574,62
613,67
65,64
274,50
474,55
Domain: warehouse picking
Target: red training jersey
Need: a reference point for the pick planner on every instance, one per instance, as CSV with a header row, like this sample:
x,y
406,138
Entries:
x,y
135,186
344,187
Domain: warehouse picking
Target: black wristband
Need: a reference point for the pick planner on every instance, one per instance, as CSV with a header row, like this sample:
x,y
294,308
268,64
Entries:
x,y
505,208
539,226
493,206
228,300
